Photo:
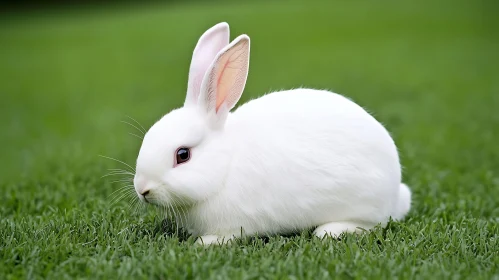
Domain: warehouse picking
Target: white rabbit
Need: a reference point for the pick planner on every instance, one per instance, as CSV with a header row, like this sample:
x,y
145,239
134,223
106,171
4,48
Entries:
x,y
287,161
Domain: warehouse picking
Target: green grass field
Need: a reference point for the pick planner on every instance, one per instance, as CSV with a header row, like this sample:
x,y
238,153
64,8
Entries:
x,y
428,70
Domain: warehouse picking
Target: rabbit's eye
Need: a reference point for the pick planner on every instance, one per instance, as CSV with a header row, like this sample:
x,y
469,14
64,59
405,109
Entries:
x,y
182,155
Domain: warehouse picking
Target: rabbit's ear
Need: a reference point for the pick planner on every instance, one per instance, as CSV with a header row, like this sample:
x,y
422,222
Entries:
x,y
210,43
224,82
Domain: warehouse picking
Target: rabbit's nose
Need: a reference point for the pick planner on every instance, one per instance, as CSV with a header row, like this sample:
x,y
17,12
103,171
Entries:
x,y
144,190
144,195
143,186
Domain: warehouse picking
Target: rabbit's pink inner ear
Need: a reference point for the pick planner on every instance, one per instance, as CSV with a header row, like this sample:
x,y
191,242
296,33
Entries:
x,y
231,74
207,48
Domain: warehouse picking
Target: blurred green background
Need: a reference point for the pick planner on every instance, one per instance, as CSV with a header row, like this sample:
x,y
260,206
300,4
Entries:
x,y
428,70
68,77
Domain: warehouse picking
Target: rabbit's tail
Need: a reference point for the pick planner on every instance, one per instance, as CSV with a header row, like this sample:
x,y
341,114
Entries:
x,y
404,202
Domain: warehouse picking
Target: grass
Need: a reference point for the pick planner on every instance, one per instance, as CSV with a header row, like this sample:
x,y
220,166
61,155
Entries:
x,y
427,69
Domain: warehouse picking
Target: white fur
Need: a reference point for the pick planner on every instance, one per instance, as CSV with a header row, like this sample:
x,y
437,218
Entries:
x,y
284,162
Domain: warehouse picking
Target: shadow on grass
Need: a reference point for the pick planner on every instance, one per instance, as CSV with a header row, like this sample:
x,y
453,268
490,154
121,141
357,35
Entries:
x,y
377,235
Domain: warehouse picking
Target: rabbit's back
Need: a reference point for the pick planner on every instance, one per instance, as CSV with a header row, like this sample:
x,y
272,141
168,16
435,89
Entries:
x,y
306,157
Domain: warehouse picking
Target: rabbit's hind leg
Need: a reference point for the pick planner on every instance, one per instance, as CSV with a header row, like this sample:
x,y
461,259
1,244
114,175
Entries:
x,y
334,229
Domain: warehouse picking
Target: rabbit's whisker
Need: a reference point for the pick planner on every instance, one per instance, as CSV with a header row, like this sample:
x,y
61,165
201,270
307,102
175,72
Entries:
x,y
134,126
140,137
143,129
117,160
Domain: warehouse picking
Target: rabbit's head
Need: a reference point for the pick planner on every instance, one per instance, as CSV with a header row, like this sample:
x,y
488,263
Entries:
x,y
183,157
